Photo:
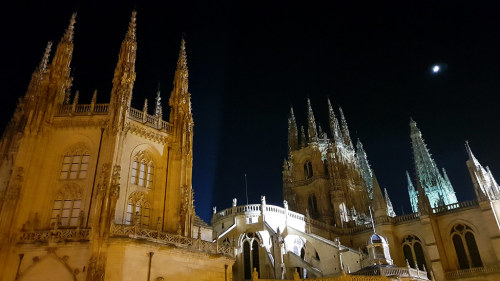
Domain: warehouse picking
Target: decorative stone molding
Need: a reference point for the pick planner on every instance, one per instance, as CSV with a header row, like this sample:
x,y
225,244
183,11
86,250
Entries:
x,y
55,235
147,132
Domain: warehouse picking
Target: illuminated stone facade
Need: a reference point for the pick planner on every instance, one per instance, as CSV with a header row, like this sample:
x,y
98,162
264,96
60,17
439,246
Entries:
x,y
324,178
101,191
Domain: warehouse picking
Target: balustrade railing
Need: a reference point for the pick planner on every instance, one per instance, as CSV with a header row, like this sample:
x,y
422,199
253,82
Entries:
x,y
55,235
457,274
256,208
83,109
455,206
134,231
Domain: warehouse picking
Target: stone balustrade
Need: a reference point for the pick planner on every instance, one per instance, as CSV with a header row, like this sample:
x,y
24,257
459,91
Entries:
x,y
83,109
463,273
137,232
256,209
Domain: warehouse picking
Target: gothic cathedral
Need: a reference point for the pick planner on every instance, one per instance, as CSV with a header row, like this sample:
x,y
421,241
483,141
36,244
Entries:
x,y
101,190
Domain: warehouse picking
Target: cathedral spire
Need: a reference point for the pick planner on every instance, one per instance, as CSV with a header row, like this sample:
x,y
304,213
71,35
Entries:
x,y
293,138
45,59
334,125
345,131
60,70
366,172
158,109
180,99
412,193
390,209
437,189
485,185
124,78
311,123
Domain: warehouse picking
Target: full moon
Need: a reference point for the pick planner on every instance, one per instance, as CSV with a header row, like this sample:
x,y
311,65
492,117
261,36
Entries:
x,y
435,68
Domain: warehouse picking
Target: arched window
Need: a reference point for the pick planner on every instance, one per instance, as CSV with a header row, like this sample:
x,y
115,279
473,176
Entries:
x,y
138,210
465,247
142,170
413,252
250,254
313,206
325,167
308,170
67,207
75,165
246,260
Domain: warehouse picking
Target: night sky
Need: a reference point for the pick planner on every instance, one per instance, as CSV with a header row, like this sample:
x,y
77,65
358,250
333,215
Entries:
x,y
249,62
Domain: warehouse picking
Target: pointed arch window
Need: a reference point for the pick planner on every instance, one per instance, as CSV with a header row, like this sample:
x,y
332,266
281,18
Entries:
x,y
465,247
325,167
251,258
67,207
413,252
142,170
75,165
308,170
138,210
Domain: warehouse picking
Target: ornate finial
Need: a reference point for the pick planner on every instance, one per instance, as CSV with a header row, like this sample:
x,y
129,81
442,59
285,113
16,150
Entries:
x,y
94,97
75,99
345,130
68,35
182,61
311,123
158,109
145,107
45,59
131,27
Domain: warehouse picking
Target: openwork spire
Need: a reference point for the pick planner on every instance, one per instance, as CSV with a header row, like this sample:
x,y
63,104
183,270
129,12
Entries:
x,y
345,131
366,172
68,35
131,32
293,138
334,125
485,185
311,123
124,78
412,193
45,59
180,100
158,109
438,190
390,209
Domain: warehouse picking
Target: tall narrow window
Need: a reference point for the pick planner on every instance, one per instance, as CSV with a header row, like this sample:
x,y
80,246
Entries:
x,y
133,172
465,247
149,182
246,260
255,256
413,252
251,254
325,167
142,170
138,210
75,166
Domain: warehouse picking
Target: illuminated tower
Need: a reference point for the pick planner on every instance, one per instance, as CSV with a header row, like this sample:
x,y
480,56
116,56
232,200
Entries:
x,y
324,176
437,188
485,186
